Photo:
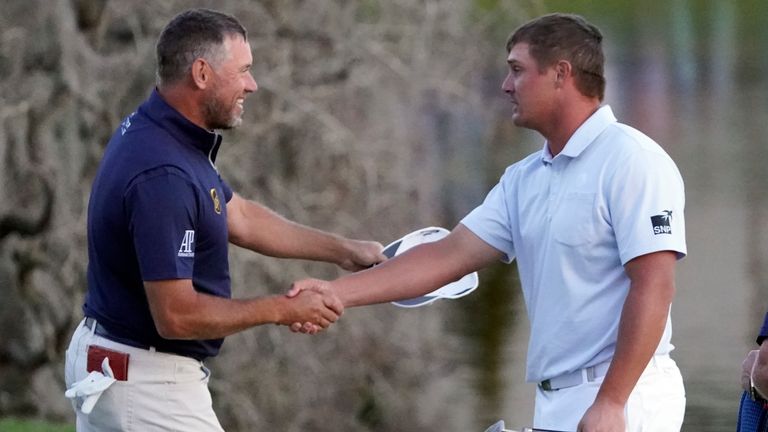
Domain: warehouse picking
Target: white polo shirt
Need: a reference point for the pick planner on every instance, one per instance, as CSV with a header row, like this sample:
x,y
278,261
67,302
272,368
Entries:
x,y
572,222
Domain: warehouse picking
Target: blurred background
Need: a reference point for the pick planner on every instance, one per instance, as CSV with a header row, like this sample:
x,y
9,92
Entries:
x,y
375,118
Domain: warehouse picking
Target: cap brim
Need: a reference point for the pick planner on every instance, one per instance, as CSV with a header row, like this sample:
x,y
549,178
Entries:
x,y
453,290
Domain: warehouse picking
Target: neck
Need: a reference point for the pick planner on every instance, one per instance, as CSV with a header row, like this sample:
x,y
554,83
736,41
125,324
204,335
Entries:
x,y
566,121
185,101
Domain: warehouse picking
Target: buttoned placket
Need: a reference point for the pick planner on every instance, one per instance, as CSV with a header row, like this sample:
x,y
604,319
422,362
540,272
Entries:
x,y
555,169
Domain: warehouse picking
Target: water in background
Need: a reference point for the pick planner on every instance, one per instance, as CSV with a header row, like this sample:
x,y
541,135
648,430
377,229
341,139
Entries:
x,y
692,76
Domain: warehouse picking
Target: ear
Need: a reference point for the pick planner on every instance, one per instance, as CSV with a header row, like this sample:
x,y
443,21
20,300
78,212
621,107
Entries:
x,y
563,70
201,73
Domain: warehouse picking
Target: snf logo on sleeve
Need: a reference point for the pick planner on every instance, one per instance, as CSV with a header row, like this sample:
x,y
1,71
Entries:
x,y
662,224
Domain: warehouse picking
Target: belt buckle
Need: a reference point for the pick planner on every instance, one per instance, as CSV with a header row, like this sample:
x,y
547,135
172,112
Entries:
x,y
546,385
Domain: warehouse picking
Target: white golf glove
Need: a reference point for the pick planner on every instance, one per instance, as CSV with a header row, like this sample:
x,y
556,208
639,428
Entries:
x,y
91,387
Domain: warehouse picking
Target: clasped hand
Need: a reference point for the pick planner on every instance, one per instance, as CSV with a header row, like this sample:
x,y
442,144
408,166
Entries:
x,y
754,372
318,306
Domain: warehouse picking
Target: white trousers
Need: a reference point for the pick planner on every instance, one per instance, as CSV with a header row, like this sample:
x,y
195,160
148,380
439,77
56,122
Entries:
x,y
164,392
657,403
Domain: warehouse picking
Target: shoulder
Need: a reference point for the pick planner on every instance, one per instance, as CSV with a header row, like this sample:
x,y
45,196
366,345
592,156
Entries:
x,y
624,146
630,141
143,147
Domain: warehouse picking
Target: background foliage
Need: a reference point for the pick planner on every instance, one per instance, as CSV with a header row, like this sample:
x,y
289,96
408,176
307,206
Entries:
x,y
355,99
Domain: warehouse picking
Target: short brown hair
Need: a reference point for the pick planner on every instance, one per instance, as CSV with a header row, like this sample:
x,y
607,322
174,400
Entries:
x,y
557,36
193,34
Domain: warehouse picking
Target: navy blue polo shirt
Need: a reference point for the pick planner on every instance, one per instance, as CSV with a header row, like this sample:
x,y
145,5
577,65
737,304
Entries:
x,y
157,211
763,334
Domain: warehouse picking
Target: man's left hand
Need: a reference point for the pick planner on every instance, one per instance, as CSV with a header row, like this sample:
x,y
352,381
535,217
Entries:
x,y
361,254
603,417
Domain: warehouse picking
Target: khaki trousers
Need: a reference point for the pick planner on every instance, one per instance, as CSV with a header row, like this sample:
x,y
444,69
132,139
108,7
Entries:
x,y
163,392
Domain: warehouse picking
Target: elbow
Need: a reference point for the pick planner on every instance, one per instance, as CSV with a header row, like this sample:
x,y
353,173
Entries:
x,y
235,237
171,328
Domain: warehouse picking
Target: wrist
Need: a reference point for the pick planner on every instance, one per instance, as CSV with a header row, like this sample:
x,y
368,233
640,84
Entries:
x,y
344,253
605,396
275,309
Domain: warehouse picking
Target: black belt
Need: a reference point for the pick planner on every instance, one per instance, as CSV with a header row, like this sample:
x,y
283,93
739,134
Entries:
x,y
99,330
103,332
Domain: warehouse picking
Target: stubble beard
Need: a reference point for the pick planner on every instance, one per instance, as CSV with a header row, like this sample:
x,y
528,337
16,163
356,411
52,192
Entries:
x,y
220,116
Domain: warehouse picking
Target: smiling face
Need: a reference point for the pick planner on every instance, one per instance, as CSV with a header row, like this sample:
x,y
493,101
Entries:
x,y
232,81
532,90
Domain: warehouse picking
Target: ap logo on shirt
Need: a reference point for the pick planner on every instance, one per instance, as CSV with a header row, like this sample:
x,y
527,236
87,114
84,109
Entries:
x,y
187,249
662,224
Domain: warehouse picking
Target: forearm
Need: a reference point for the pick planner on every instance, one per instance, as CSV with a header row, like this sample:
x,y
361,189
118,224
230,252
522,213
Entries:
x,y
642,324
414,273
180,312
418,271
266,232
203,316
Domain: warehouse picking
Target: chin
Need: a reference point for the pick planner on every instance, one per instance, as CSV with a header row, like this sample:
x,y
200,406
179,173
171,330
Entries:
x,y
231,123
236,122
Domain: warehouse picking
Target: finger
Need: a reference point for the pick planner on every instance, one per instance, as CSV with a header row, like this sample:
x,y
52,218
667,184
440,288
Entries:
x,y
293,291
324,323
307,328
746,369
329,315
333,303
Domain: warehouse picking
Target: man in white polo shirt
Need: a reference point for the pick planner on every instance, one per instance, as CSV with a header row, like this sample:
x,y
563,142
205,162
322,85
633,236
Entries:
x,y
595,221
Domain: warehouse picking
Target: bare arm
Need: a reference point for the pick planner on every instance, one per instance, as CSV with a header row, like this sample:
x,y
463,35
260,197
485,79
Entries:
x,y
414,273
255,227
180,312
643,319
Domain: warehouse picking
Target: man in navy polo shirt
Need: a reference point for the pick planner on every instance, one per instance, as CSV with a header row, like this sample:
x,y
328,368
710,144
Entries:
x,y
159,222
753,410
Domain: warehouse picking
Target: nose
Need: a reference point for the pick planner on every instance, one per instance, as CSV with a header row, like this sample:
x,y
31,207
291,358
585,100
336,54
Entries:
x,y
507,85
250,84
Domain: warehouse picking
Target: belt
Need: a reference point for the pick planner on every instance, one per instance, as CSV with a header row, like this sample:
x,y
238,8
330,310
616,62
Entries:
x,y
576,377
99,329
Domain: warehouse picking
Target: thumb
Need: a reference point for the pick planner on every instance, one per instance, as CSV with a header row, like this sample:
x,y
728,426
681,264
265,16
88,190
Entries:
x,y
294,291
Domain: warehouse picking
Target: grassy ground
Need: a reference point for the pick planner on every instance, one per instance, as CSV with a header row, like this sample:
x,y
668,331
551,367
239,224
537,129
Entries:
x,y
19,425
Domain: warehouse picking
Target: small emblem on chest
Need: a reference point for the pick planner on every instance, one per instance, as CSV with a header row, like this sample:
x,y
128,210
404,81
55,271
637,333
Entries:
x,y
216,201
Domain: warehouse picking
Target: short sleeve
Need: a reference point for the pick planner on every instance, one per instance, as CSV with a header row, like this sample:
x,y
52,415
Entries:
x,y
226,189
646,205
490,221
162,210
763,334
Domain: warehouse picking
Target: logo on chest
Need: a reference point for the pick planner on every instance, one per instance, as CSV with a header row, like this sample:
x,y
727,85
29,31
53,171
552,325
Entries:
x,y
662,224
216,201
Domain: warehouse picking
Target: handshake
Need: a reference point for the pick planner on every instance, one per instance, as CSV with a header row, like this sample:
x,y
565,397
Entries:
x,y
313,306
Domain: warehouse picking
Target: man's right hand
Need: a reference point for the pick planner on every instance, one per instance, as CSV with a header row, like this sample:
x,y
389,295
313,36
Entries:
x,y
754,371
312,308
307,286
